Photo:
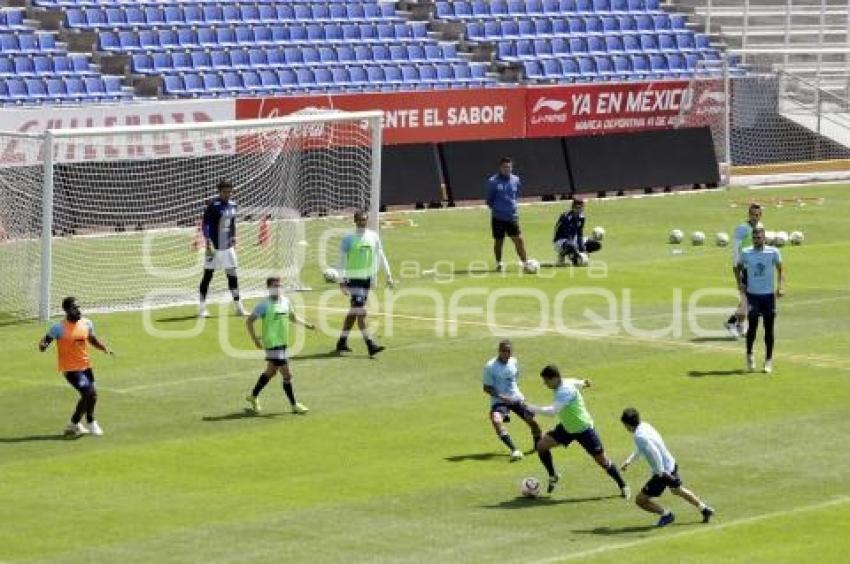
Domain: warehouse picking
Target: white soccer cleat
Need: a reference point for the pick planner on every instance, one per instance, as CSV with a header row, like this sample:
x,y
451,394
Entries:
x,y
253,404
768,366
516,455
500,267
95,429
751,363
202,311
239,309
732,329
626,492
74,430
300,409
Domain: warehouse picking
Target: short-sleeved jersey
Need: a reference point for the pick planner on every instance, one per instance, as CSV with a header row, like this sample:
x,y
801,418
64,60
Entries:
x,y
502,377
760,264
741,239
360,255
275,317
650,445
573,415
219,223
502,195
72,339
570,226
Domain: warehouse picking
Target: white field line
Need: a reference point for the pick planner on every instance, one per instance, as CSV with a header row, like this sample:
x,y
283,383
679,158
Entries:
x,y
695,531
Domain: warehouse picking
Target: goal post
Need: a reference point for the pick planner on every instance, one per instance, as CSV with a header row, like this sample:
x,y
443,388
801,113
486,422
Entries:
x,y
112,215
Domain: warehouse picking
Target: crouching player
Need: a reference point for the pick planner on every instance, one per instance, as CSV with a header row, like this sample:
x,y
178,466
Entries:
x,y
569,238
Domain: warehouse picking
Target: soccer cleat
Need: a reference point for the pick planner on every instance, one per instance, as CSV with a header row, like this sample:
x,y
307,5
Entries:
x,y
75,430
666,519
300,408
239,309
751,362
768,366
626,492
516,455
253,404
500,267
553,481
707,514
95,429
373,350
202,311
732,329
341,347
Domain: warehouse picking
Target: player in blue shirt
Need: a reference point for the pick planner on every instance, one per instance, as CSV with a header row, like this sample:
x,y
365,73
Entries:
x,y
742,238
219,228
569,239
500,383
503,190
759,262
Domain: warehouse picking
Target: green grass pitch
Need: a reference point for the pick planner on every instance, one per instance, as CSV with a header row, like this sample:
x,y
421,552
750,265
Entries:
x,y
396,462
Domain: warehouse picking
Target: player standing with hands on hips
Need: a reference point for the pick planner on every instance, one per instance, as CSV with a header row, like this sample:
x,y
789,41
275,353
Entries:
x,y
219,229
503,190
361,253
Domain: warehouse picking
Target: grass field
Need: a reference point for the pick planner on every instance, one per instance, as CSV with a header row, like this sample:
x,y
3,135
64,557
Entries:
x,y
396,461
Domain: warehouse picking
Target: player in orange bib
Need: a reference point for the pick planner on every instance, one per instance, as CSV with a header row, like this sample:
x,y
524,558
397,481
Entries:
x,y
72,336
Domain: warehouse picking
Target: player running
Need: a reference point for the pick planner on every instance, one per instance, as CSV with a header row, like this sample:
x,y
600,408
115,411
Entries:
x,y
665,470
72,336
741,239
569,239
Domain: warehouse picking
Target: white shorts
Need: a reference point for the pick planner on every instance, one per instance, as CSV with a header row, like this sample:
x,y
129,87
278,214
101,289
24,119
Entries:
x,y
225,258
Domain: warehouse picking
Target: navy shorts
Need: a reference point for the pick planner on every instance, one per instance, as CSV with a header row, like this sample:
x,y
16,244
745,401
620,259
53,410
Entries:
x,y
587,439
763,305
506,408
277,356
81,380
359,291
657,484
500,228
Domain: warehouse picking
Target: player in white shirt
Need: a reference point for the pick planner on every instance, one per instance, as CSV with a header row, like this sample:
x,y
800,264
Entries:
x,y
500,383
665,470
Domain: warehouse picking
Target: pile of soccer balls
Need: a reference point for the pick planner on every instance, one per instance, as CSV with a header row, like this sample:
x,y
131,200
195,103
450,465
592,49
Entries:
x,y
775,238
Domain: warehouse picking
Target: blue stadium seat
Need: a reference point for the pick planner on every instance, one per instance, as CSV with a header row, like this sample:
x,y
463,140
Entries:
x,y
173,84
649,42
193,83
164,62
570,68
596,44
600,6
555,46
213,83
614,44
23,66
232,82
622,66
143,63
604,67
201,60
552,68
667,42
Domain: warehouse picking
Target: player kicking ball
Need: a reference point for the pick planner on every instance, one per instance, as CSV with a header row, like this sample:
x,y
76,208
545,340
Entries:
x,y
665,471
276,313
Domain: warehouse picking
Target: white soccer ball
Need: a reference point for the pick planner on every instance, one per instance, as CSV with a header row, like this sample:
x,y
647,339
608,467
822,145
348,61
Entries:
x,y
582,259
331,275
721,239
780,239
796,238
676,236
598,233
532,266
697,238
530,487
769,237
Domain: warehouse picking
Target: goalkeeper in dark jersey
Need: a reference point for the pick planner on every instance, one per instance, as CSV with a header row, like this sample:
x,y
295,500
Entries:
x,y
219,228
569,240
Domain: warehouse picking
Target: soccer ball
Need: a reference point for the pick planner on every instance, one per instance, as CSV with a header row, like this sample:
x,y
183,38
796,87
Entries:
x,y
598,233
796,238
530,487
697,238
722,239
531,266
769,237
780,239
676,236
331,275
582,259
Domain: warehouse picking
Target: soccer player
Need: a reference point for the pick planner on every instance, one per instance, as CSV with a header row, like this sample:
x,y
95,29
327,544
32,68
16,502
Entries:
x,y
72,336
741,239
503,189
569,235
500,383
276,312
361,253
665,470
575,424
755,277
219,229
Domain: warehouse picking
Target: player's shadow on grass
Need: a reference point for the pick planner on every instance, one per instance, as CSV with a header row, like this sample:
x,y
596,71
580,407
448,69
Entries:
x,y
475,271
236,415
522,502
177,318
326,354
713,340
703,373
479,457
34,438
607,531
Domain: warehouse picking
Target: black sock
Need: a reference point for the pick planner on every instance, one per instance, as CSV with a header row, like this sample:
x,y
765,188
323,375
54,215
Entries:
x,y
261,383
205,283
287,389
732,319
546,458
233,286
506,438
534,439
369,342
615,474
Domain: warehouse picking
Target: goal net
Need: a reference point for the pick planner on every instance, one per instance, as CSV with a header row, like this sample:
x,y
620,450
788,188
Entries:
x,y
112,215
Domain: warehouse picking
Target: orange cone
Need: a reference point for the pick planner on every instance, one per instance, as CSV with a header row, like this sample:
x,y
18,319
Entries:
x,y
264,235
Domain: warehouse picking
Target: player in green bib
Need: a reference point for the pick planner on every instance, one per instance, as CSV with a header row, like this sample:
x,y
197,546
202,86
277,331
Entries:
x,y
575,424
275,313
741,239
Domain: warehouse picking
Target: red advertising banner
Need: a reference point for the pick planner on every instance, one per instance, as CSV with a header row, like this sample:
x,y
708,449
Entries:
x,y
416,117
594,109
